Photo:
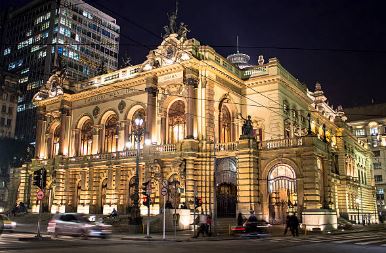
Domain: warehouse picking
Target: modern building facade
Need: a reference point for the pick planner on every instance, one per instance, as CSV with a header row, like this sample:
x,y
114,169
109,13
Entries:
x,y
369,125
43,34
8,104
294,154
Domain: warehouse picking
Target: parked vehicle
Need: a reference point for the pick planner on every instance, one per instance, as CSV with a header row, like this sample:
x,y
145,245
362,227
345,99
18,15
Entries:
x,y
7,223
256,229
75,224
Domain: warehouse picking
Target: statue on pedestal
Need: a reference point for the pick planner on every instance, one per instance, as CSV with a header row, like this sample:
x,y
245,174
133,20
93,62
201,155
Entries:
x,y
247,128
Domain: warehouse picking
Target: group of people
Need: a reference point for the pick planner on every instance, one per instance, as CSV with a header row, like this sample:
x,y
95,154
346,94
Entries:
x,y
204,223
19,208
292,223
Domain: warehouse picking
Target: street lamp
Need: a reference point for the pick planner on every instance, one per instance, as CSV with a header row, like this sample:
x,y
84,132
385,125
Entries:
x,y
137,133
358,201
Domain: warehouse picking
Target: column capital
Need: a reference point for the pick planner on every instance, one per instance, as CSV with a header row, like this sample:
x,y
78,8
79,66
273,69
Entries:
x,y
152,90
191,81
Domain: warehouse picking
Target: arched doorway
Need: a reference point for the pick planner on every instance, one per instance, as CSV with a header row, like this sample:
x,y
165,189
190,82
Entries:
x,y
282,193
130,197
226,190
103,195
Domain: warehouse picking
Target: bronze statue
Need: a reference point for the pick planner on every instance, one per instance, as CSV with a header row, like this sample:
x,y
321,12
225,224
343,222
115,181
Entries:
x,y
247,128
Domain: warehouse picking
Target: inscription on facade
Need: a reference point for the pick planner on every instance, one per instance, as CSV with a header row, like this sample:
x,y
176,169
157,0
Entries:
x,y
171,77
106,96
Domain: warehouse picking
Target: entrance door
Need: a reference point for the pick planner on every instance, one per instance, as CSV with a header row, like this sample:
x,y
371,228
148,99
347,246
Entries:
x,y
226,200
282,193
103,195
226,190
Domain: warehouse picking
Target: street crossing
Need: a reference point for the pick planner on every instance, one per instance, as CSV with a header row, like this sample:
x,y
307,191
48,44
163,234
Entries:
x,y
374,238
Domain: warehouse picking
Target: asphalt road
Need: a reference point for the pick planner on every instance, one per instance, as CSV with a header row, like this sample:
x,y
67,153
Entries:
x,y
373,242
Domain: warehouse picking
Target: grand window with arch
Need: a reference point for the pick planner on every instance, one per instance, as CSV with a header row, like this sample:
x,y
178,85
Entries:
x,y
176,122
225,125
86,138
111,134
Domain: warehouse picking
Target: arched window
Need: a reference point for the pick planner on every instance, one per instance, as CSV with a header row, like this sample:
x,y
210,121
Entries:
x,y
56,141
225,125
176,121
86,138
111,134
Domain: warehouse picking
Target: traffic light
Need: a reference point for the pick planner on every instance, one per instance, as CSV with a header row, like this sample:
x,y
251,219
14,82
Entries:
x,y
146,200
144,187
40,178
37,178
197,202
43,178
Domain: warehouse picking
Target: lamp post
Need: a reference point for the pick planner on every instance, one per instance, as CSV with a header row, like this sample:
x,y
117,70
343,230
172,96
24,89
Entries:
x,y
358,201
137,133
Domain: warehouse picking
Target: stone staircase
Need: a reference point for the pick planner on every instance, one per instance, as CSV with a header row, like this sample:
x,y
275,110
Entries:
x,y
223,225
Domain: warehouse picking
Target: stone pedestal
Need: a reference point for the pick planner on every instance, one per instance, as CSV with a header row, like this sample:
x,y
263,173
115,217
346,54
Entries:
x,y
319,219
248,178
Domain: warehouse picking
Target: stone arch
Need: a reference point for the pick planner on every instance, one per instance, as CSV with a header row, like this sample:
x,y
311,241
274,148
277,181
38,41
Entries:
x,y
227,102
52,126
82,119
177,121
133,108
282,193
107,114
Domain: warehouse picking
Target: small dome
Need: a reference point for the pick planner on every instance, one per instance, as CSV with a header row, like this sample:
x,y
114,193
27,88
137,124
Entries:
x,y
240,60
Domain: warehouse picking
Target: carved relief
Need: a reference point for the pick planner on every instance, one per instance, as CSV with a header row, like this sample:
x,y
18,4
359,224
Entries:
x,y
121,106
96,111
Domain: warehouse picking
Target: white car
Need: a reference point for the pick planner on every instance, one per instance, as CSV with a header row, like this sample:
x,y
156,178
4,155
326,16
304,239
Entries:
x,y
6,223
75,224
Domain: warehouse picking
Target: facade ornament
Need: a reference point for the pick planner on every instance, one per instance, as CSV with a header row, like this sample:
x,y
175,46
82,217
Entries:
x,y
260,61
54,85
121,106
183,31
96,111
171,28
102,69
247,128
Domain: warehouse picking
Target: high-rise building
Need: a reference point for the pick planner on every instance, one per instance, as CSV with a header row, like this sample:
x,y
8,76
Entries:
x,y
369,125
8,103
45,32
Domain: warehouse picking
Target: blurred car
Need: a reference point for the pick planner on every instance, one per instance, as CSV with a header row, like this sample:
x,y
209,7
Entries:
x,y
254,229
75,224
7,223
344,224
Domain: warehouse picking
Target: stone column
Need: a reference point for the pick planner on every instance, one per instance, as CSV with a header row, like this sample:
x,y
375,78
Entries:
x,y
49,137
95,140
191,81
163,129
76,142
122,135
40,130
248,179
64,131
152,91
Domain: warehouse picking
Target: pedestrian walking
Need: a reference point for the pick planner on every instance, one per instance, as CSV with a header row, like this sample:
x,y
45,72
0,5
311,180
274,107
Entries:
x,y
202,226
209,225
287,224
240,220
294,225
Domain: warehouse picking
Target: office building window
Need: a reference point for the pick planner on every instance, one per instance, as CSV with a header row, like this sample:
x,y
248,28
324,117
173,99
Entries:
x,y
378,178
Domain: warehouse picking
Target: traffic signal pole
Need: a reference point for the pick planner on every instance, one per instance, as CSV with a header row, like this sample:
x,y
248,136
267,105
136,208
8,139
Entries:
x,y
148,220
194,208
39,220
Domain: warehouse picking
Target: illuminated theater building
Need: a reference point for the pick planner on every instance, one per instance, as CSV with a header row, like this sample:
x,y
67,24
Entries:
x,y
298,157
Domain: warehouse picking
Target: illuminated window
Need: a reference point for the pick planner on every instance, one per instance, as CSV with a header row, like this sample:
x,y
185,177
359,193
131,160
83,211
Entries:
x,y
374,131
360,132
111,134
225,125
86,138
177,121
7,51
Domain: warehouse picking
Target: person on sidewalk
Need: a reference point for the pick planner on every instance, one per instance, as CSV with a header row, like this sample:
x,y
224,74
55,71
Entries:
x,y
287,224
240,220
202,226
209,225
294,225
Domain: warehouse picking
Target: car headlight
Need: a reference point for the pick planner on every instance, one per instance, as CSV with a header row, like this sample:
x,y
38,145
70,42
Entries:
x,y
13,224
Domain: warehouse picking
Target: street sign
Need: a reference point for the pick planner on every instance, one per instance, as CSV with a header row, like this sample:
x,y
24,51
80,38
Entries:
x,y
40,195
164,191
165,183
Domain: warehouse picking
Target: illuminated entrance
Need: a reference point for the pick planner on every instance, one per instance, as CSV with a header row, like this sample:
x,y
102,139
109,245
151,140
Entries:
x,y
282,193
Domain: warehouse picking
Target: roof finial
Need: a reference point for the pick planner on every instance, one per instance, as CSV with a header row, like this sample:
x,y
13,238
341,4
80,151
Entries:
x,y
237,43
176,7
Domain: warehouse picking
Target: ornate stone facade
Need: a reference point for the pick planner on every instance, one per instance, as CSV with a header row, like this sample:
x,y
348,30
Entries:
x,y
194,102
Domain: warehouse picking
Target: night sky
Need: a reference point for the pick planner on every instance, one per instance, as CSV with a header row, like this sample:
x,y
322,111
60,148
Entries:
x,y
340,43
